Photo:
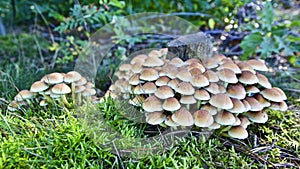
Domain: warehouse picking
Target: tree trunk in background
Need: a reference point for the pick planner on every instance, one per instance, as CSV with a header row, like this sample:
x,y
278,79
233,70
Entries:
x,y
2,29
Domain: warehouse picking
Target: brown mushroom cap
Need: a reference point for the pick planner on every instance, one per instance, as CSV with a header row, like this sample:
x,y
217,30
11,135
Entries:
x,y
125,67
238,132
134,79
176,61
282,106
171,104
238,106
252,89
262,100
81,82
225,118
152,104
257,116
72,76
38,86
183,117
211,109
227,75
199,81
255,104
23,95
155,118
215,88
210,63
214,126
281,92
170,122
173,83
211,76
187,99
221,100
153,61
248,77
88,92
244,121
137,100
247,105
203,118
263,81
89,85
236,91
184,75
79,89
257,65
164,92
138,59
231,66
244,66
196,65
185,88
201,94
163,80
137,67
60,89
53,78
149,74
273,95
148,88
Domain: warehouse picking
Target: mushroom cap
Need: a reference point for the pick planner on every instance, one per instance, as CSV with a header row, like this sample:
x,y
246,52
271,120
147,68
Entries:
x,y
173,83
214,126
236,91
227,75
184,75
164,92
134,79
210,63
281,92
43,103
136,90
155,118
138,59
137,100
196,65
53,78
170,70
79,89
88,92
237,121
199,81
187,99
211,76
262,100
149,74
244,121
211,109
125,67
255,104
231,66
201,94
149,88
23,95
257,116
238,106
90,85
170,122
248,77
263,81
38,86
215,88
72,76
81,81
221,100
203,118
137,67
282,106
247,105
163,80
238,132
155,53
257,65
244,66
153,61
273,95
176,61
183,117
252,89
225,118
152,104
195,71
185,88
171,104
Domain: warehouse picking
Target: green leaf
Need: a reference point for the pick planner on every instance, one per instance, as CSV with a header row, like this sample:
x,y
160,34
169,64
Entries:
x,y
282,44
211,23
267,46
250,43
268,16
116,3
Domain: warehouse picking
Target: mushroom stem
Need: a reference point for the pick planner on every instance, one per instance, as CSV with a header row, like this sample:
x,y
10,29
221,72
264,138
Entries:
x,y
198,104
49,99
78,96
225,129
73,92
65,101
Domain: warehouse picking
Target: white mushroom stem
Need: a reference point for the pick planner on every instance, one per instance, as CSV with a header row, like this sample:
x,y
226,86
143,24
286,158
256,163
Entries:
x,y
49,99
78,96
73,92
198,104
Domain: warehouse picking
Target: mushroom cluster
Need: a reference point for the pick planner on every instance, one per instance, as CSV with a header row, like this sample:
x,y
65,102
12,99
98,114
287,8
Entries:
x,y
210,93
66,89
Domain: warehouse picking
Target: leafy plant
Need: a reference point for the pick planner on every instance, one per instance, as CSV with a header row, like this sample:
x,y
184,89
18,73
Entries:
x,y
271,36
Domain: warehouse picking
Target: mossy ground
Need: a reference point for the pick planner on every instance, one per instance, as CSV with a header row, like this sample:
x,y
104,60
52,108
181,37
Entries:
x,y
54,138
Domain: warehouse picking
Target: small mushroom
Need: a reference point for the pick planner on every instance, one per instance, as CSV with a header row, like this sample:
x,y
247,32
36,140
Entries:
x,y
238,132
